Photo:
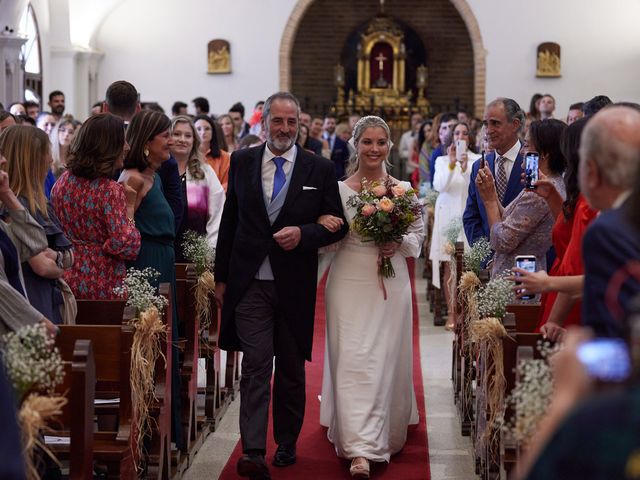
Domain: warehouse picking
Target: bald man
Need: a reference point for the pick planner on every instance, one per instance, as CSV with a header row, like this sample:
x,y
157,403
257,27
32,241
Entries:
x,y
609,167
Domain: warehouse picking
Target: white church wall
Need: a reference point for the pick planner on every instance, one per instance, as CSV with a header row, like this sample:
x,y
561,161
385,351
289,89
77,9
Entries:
x,y
162,49
600,43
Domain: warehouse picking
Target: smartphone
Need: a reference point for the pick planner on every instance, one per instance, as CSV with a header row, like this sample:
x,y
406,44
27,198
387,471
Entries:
x,y
531,161
606,359
461,149
528,263
482,159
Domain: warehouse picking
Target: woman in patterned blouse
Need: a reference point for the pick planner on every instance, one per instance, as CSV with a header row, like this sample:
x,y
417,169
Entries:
x,y
96,212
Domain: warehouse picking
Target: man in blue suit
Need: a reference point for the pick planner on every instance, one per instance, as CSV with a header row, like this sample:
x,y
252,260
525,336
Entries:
x,y
503,119
609,168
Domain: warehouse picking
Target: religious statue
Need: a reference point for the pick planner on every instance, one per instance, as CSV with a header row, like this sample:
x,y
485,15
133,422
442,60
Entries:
x,y
219,59
548,60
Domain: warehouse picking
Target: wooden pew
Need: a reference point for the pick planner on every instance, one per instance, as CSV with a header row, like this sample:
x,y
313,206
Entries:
x,y
499,450
100,312
76,420
112,353
159,446
194,431
525,346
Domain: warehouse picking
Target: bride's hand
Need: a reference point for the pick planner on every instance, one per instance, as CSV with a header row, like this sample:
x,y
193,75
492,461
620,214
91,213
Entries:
x,y
330,222
388,249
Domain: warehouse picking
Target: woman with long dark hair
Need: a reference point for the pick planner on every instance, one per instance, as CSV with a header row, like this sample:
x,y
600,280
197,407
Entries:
x,y
211,149
150,140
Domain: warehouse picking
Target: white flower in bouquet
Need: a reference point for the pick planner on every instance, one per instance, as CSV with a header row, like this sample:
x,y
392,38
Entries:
x,y
32,361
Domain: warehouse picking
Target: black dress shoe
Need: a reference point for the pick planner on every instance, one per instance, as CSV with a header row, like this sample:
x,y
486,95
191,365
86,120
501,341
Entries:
x,y
254,467
284,456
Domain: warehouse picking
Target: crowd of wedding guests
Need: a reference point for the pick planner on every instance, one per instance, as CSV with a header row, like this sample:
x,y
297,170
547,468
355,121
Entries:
x,y
82,201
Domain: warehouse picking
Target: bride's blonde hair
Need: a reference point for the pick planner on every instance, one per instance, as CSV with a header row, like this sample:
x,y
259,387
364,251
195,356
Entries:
x,y
370,121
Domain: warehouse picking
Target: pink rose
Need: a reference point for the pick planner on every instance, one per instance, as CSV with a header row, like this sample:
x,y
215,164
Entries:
x,y
398,190
368,210
379,190
385,204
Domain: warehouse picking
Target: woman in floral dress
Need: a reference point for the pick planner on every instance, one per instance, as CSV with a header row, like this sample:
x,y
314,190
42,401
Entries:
x,y
96,212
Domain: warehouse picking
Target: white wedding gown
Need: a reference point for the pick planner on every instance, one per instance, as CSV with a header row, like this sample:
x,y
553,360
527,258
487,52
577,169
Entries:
x,y
368,398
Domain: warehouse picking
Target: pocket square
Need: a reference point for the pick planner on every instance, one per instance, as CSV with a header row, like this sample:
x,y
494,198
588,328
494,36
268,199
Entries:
x,y
308,188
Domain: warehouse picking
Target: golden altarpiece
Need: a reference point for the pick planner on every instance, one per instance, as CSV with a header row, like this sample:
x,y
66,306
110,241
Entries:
x,y
381,86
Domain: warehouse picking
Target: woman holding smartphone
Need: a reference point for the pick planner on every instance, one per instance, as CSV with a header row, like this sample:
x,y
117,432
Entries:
x,y
524,226
451,179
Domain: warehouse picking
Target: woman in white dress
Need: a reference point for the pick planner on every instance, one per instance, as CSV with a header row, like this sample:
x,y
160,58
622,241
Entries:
x,y
451,179
367,390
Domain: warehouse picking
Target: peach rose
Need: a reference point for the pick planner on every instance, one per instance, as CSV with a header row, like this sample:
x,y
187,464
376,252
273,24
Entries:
x,y
385,204
379,190
398,190
368,210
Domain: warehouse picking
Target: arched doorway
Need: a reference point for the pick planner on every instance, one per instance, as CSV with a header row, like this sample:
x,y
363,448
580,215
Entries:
x,y
317,30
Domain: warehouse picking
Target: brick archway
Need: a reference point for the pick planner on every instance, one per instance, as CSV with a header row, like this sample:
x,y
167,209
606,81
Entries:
x,y
463,9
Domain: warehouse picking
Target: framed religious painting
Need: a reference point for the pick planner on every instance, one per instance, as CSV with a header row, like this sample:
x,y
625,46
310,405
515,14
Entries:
x,y
548,60
218,56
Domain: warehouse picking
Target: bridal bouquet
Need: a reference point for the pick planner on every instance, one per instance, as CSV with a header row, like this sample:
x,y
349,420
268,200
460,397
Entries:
x,y
384,212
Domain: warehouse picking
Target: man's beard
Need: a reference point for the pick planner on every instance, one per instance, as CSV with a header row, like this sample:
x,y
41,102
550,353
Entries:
x,y
281,143
58,110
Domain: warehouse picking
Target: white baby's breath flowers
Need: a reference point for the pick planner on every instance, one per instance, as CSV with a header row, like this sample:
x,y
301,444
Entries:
x,y
477,255
198,251
32,361
140,292
531,395
494,297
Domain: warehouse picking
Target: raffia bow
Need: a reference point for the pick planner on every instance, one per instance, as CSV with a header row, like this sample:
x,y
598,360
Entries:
x,y
145,351
490,331
203,289
35,412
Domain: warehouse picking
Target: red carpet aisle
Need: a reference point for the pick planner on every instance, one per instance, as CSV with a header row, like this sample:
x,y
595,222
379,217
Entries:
x,y
316,457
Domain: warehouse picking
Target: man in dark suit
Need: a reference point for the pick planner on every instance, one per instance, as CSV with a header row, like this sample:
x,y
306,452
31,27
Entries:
x,y
609,167
266,270
503,119
339,148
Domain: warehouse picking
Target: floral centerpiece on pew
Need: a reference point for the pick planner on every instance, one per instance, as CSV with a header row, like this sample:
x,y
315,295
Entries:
x,y
149,329
472,261
34,367
203,256
451,234
384,213
488,332
531,395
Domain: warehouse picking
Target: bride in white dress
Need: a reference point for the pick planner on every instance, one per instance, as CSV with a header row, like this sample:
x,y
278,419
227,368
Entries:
x,y
368,398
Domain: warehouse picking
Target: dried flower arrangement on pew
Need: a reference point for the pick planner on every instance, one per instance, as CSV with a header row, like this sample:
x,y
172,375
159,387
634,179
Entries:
x,y
149,330
34,367
203,256
475,257
493,299
531,396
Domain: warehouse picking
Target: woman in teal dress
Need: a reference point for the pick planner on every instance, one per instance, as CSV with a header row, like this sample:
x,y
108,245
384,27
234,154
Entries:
x,y
150,141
